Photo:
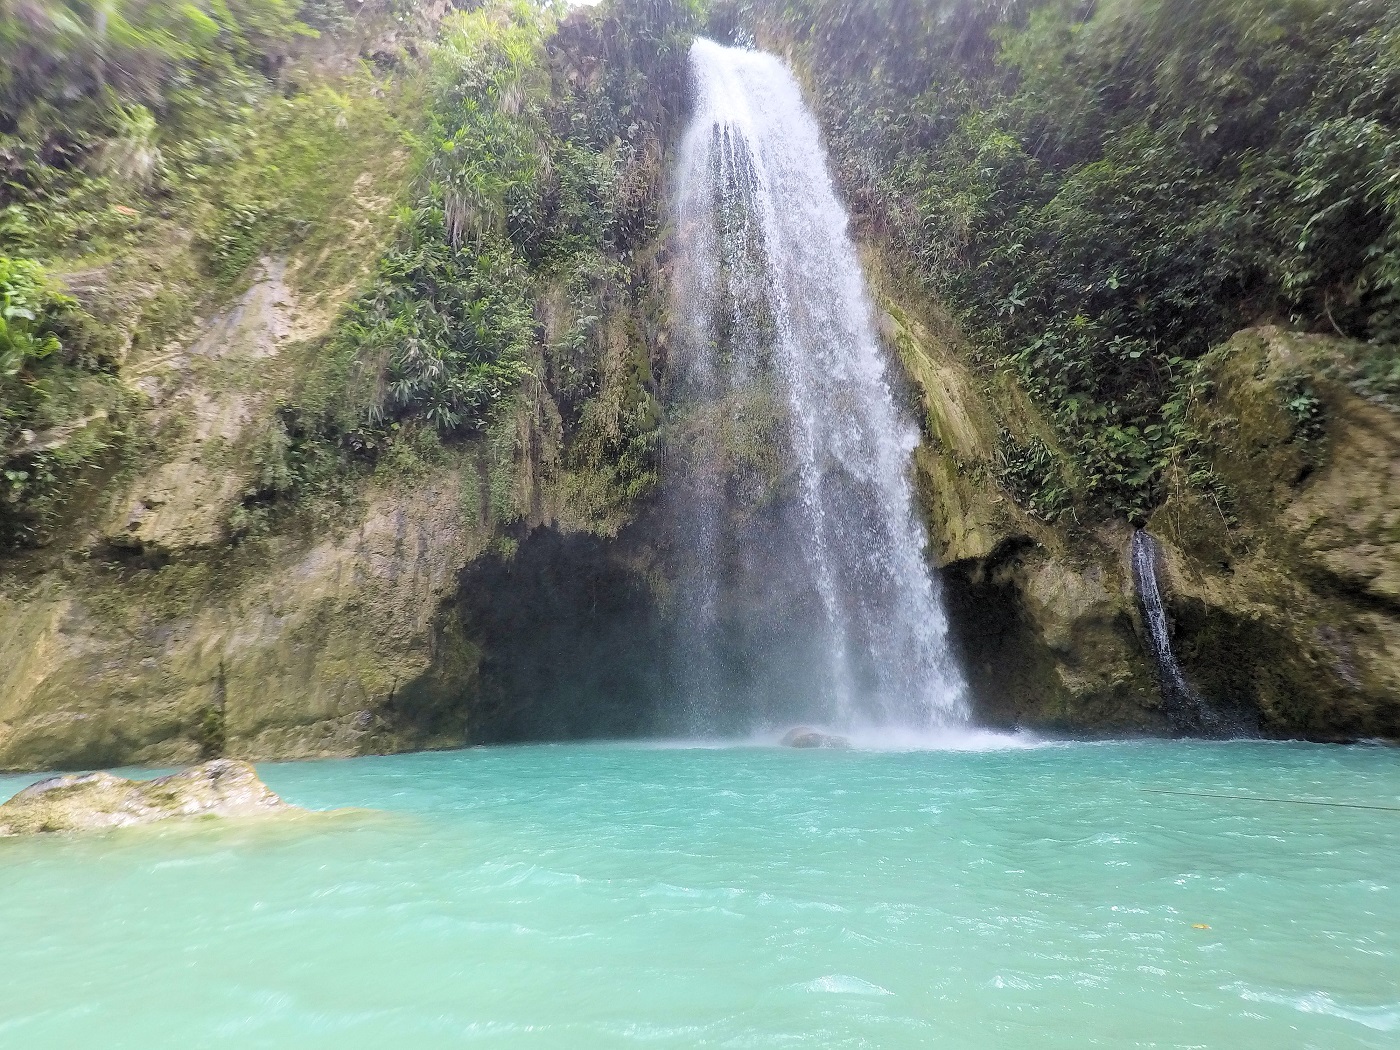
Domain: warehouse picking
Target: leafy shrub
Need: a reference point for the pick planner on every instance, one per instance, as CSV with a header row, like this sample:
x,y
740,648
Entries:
x,y
90,93
1304,407
1031,473
49,358
29,304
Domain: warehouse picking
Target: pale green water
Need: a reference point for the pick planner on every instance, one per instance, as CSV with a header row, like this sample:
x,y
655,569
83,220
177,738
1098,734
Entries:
x,y
607,896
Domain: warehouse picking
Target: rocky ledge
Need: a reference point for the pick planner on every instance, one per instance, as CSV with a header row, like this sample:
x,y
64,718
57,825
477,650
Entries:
x,y
98,801
805,737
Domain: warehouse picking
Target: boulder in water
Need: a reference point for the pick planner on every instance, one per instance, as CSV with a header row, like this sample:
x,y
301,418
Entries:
x,y
98,801
803,736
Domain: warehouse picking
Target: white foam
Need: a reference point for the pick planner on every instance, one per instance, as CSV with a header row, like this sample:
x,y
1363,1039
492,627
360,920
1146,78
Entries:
x,y
844,984
946,739
879,739
1379,1018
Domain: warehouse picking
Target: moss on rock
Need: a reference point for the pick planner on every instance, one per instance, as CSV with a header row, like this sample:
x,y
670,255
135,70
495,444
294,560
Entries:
x,y
1043,610
1285,601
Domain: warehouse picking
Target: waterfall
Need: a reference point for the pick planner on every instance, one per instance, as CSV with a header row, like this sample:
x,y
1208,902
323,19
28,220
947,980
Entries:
x,y
1186,709
806,588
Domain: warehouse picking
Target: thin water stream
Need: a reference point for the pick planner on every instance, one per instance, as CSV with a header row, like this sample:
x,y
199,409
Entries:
x,y
1187,709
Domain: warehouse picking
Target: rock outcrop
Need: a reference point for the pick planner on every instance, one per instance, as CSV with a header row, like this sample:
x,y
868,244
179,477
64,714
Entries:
x,y
1046,613
1291,608
220,589
805,738
100,801
1283,604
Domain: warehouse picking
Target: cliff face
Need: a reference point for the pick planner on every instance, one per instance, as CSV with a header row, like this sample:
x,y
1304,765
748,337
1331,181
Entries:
x,y
1268,483
1023,168
1046,615
144,631
1292,608
149,638
1282,602
509,581
144,635
243,575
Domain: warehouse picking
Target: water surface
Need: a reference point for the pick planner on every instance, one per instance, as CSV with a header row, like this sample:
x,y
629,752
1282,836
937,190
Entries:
x,y
614,896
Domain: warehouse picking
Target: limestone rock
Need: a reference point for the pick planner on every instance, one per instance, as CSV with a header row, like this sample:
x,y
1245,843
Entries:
x,y
1284,598
1292,610
805,737
1050,605
98,801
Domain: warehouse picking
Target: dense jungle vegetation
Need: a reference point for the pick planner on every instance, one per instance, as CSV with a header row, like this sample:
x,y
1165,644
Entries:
x,y
128,125
125,126
1101,190
540,188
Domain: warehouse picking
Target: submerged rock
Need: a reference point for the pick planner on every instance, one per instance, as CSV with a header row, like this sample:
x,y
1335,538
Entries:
x,y
803,736
97,801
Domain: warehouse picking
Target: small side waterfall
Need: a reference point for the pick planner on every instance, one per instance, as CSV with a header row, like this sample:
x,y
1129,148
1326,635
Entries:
x,y
1185,707
806,587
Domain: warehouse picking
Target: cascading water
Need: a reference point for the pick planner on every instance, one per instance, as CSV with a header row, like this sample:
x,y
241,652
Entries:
x,y
805,581
1185,707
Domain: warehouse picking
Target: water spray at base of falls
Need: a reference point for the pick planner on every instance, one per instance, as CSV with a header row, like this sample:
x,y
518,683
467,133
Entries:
x,y
805,587
1186,708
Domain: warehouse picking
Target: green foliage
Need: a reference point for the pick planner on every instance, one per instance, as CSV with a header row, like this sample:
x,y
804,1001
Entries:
x,y
212,732
28,307
454,327
274,470
440,339
536,151
1031,472
1103,191
288,173
1372,370
450,314
1304,407
532,179
183,121
101,101
126,126
52,368
142,50
327,15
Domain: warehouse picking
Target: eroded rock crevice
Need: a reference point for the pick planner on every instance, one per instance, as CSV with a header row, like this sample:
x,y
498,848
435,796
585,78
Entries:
x,y
558,636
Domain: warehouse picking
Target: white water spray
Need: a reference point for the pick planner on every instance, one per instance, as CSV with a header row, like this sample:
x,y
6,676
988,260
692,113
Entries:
x,y
780,342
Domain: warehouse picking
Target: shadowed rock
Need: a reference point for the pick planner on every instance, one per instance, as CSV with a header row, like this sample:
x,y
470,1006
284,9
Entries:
x,y
97,801
802,736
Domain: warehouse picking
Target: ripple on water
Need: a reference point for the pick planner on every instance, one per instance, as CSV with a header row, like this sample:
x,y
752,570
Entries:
x,y
600,896
1385,1018
843,984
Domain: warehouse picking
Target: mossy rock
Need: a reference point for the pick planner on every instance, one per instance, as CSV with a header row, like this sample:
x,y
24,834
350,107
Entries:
x,y
1286,601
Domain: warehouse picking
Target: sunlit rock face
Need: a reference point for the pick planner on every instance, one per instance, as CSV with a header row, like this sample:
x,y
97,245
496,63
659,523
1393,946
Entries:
x,y
101,801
